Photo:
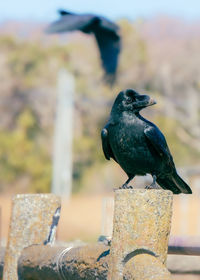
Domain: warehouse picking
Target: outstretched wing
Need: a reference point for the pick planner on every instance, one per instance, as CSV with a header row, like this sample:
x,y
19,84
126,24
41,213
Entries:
x,y
157,140
109,44
105,31
70,22
106,145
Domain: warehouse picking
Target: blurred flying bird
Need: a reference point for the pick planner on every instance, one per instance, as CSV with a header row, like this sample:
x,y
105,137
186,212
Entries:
x,y
138,145
104,30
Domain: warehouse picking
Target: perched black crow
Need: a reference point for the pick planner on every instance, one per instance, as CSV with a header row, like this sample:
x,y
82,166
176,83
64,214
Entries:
x,y
138,145
105,32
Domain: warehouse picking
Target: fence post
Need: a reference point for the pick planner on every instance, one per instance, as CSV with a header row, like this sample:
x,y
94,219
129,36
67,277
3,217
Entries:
x,y
142,221
63,135
34,220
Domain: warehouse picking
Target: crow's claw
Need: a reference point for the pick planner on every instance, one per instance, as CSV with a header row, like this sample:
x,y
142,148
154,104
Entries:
x,y
152,186
125,186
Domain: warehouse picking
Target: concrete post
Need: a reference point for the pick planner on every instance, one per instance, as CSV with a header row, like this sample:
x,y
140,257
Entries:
x,y
34,220
142,221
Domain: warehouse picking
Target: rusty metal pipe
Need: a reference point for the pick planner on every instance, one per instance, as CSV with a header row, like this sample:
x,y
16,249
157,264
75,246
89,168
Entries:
x,y
55,263
81,263
184,246
46,262
88,262
184,250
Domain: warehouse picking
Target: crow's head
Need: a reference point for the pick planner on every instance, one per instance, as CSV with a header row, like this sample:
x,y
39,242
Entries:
x,y
131,101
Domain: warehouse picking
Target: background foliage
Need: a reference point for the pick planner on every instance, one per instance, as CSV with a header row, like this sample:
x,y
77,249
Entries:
x,y
155,58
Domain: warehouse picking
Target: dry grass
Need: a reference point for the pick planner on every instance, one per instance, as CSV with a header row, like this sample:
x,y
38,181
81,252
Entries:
x,y
80,218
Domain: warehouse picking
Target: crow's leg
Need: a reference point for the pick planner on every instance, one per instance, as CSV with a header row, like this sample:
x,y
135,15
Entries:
x,y
125,185
153,184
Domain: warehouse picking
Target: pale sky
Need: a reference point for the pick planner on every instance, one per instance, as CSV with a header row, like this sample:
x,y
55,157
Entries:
x,y
45,10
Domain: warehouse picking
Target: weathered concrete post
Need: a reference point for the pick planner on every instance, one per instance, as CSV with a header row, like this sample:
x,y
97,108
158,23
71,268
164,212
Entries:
x,y
142,221
34,220
145,267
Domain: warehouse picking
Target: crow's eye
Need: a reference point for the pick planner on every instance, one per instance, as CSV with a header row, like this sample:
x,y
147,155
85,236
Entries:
x,y
129,100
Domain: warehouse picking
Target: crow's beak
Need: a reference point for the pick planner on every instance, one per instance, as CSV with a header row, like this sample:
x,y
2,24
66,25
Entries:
x,y
151,102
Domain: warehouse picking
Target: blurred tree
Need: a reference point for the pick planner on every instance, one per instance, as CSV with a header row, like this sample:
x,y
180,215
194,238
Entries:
x,y
23,157
165,66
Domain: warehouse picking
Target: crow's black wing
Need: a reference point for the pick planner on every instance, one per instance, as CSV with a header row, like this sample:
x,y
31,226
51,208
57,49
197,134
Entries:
x,y
157,140
107,24
105,31
106,145
171,181
109,44
71,22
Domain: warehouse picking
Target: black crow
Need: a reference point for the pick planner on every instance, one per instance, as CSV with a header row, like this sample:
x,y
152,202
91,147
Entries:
x,y
105,32
138,145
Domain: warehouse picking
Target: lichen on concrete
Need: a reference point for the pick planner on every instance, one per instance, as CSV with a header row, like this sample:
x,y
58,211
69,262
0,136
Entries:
x,y
142,220
31,220
145,267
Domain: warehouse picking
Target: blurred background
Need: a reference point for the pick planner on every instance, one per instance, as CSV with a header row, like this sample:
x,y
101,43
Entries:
x,y
160,56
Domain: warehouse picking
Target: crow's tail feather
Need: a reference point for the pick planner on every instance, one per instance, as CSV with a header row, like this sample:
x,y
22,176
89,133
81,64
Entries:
x,y
174,183
184,188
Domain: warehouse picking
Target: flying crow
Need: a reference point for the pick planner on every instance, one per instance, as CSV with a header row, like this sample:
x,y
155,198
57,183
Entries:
x,y
138,145
104,30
